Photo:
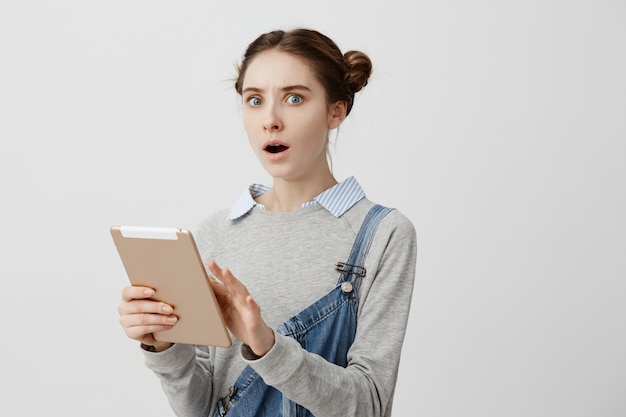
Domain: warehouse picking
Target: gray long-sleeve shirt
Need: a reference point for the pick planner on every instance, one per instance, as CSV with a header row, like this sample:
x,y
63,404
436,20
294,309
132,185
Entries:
x,y
287,260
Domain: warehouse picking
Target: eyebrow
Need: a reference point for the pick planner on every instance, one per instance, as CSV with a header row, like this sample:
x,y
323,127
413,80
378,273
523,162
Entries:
x,y
284,89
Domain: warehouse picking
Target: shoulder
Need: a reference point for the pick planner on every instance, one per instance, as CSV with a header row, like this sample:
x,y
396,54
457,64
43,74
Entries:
x,y
398,223
394,242
213,222
394,223
211,229
397,234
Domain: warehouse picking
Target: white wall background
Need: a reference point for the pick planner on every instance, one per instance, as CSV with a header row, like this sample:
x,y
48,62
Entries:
x,y
498,127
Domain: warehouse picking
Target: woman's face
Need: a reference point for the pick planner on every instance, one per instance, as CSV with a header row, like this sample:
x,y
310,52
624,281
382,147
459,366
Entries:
x,y
286,116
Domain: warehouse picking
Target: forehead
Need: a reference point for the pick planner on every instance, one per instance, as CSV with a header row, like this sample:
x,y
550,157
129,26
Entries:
x,y
278,69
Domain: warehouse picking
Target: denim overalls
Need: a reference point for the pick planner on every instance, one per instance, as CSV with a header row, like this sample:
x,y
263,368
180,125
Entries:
x,y
327,327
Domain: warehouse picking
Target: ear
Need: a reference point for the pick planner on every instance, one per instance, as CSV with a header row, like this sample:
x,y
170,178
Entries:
x,y
337,113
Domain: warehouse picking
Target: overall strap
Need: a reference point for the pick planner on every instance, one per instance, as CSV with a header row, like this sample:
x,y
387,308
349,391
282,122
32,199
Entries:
x,y
354,267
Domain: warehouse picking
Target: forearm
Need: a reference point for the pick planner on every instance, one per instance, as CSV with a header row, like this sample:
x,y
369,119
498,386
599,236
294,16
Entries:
x,y
185,377
320,386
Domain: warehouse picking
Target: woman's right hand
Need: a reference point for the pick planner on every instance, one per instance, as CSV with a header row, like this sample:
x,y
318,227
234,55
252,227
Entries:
x,y
141,317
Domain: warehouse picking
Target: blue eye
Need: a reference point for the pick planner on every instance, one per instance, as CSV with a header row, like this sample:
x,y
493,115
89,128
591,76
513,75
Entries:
x,y
294,99
254,101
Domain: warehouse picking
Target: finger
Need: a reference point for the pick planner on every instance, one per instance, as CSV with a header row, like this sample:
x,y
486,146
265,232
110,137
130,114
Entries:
x,y
218,287
215,269
144,306
253,306
138,325
141,333
234,286
231,283
141,326
136,292
231,287
214,278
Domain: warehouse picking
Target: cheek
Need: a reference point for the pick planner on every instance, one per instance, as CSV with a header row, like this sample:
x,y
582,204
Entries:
x,y
248,122
314,121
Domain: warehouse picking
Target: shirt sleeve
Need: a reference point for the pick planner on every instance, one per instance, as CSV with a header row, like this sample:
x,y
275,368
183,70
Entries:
x,y
365,387
186,376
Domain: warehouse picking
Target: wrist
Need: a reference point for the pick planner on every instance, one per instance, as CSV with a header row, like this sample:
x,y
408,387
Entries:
x,y
156,347
265,345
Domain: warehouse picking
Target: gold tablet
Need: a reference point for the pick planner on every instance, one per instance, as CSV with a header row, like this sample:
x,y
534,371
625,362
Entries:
x,y
167,260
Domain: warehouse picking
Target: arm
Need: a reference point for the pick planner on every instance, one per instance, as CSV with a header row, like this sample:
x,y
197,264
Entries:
x,y
185,378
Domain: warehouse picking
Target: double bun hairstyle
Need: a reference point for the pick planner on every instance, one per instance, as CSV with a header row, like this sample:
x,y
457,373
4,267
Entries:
x,y
342,75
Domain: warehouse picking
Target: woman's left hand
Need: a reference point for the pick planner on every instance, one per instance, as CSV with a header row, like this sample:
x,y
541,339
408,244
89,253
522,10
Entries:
x,y
241,313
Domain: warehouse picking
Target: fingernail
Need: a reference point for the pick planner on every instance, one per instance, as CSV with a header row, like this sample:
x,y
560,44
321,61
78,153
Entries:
x,y
148,292
172,319
168,309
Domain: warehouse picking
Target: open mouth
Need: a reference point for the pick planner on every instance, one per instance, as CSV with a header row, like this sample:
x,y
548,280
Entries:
x,y
276,148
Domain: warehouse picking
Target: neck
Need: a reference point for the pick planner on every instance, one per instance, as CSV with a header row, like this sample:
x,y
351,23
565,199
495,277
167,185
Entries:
x,y
287,195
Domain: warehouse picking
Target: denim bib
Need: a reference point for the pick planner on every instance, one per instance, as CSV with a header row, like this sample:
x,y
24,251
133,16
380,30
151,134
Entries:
x,y
326,327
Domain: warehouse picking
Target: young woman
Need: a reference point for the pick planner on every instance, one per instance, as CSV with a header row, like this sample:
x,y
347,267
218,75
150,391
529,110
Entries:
x,y
315,281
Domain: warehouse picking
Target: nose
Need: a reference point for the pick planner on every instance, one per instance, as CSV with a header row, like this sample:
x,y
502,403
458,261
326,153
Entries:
x,y
272,121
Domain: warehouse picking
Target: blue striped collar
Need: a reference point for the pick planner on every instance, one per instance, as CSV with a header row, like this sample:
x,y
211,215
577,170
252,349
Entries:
x,y
337,199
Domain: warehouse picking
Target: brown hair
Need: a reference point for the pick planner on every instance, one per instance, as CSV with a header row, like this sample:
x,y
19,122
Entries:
x,y
342,75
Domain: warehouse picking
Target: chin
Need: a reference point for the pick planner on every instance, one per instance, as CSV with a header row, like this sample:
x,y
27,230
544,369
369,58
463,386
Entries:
x,y
283,174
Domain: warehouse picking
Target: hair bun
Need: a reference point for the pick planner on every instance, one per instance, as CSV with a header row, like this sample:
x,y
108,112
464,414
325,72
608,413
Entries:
x,y
358,70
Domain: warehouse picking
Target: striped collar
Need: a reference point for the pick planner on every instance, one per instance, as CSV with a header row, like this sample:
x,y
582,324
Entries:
x,y
337,199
